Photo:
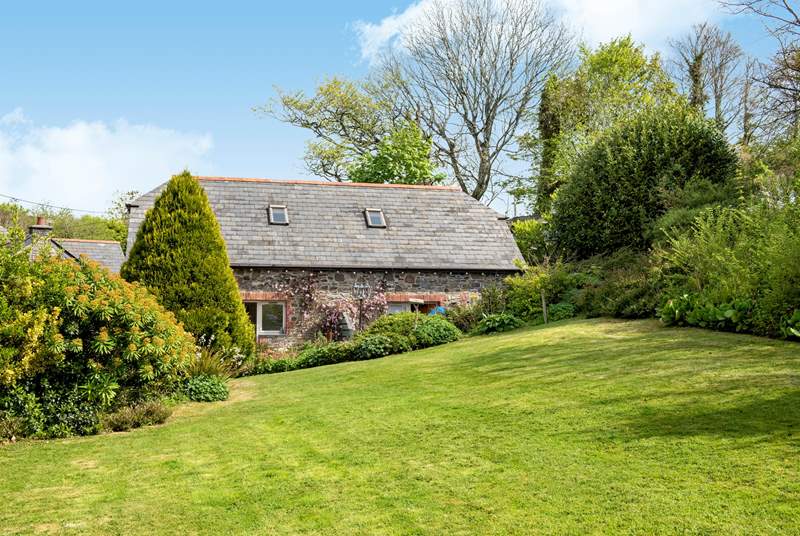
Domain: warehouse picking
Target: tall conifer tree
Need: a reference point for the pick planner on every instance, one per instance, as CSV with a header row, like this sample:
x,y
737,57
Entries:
x,y
180,255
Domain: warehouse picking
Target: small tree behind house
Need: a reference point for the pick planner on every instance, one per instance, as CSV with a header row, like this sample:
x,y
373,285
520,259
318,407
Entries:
x,y
180,255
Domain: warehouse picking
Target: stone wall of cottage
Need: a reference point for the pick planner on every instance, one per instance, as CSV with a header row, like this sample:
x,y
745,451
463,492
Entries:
x,y
433,287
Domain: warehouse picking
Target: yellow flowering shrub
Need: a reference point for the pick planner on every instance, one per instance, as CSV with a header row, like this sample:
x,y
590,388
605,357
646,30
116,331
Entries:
x,y
76,329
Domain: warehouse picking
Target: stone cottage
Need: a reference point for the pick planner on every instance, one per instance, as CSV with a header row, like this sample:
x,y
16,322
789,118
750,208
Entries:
x,y
423,246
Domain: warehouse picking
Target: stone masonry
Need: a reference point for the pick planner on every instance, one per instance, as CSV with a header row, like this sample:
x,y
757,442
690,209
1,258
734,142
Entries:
x,y
436,287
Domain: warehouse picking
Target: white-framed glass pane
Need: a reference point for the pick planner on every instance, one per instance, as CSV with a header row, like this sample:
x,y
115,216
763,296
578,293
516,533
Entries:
x,y
398,307
375,218
278,215
272,317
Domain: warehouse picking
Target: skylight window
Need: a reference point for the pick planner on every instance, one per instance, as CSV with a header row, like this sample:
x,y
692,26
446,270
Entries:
x,y
278,215
375,217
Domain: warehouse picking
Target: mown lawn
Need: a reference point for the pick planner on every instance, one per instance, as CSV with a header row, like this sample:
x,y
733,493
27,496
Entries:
x,y
593,426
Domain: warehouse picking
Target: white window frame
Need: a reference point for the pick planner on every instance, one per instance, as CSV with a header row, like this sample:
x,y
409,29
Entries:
x,y
259,332
369,222
272,218
399,307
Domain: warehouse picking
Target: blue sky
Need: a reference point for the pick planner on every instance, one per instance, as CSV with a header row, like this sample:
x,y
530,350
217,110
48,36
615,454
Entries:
x,y
100,97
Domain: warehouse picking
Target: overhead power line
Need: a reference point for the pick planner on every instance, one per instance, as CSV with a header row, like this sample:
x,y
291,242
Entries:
x,y
48,205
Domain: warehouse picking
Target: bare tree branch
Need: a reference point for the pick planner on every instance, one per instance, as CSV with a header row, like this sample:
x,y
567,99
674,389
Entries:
x,y
469,71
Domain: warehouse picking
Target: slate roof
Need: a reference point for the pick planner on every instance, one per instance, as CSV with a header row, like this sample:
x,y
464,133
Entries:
x,y
428,227
107,252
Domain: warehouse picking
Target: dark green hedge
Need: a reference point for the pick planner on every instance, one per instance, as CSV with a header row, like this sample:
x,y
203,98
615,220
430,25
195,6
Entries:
x,y
623,183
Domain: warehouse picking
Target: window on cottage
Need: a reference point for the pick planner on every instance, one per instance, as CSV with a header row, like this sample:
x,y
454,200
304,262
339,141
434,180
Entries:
x,y
273,318
375,217
278,215
269,318
398,307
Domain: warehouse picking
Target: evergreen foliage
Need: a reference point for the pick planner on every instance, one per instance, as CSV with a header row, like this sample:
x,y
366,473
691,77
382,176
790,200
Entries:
x,y
549,131
180,255
612,83
76,340
623,183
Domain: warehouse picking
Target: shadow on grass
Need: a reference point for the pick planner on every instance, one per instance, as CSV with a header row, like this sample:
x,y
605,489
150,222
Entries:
x,y
778,415
658,382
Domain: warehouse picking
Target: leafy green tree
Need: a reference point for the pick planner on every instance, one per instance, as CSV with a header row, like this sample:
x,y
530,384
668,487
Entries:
x,y
88,226
348,119
402,157
180,255
111,226
624,182
612,83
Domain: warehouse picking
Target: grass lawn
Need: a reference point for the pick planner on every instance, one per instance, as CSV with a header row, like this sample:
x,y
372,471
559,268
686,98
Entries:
x,y
591,426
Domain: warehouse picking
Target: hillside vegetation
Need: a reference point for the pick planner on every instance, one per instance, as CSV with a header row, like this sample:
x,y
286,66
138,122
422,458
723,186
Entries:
x,y
586,426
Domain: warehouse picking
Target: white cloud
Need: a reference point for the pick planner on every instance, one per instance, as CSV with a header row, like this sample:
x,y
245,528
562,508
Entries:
x,y
82,165
374,38
650,22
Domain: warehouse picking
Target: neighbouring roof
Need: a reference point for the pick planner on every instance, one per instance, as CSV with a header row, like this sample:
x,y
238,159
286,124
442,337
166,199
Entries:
x,y
428,227
107,252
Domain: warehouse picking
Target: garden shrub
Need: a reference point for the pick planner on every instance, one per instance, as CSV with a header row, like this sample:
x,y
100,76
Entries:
x,y
420,330
625,284
738,269
524,290
790,326
76,340
433,331
329,354
623,183
560,311
531,239
145,413
497,323
493,299
379,345
388,335
271,366
10,427
206,389
209,362
398,324
684,205
465,317
266,360
179,254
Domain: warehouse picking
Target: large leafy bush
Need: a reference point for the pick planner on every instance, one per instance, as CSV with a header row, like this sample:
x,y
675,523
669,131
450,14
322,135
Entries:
x,y
497,323
76,340
739,269
524,292
625,284
465,316
623,183
206,389
179,254
433,331
422,331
